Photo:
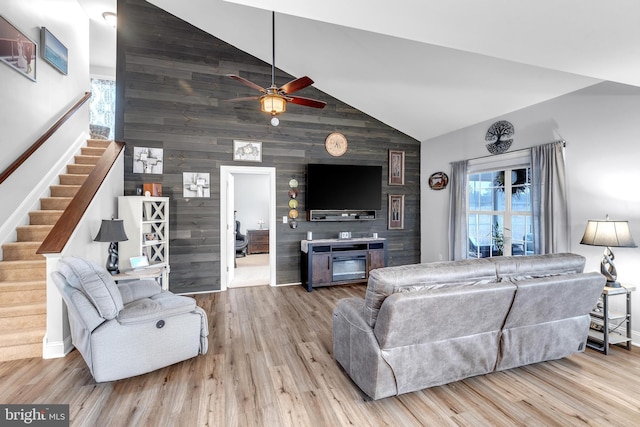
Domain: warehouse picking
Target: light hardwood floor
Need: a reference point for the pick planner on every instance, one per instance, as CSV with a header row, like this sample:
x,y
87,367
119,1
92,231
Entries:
x,y
270,363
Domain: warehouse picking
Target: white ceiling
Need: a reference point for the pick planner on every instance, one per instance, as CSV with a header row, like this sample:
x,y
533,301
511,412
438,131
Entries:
x,y
427,67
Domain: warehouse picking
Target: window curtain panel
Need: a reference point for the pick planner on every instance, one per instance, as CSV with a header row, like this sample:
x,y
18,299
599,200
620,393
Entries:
x,y
549,199
458,238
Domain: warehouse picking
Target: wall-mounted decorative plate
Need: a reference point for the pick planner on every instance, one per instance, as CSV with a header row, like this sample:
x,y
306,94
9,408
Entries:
x,y
293,214
293,203
293,193
438,180
293,183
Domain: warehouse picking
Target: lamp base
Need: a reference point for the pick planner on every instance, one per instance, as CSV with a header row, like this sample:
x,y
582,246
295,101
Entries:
x,y
613,284
112,260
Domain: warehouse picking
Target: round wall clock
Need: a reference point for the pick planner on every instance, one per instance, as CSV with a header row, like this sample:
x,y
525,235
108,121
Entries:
x,y
336,144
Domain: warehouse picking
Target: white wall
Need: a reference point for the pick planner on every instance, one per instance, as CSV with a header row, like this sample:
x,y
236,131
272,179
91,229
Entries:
x,y
29,108
602,130
251,201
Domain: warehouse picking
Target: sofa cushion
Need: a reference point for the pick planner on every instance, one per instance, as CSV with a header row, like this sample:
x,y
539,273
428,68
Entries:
x,y
95,282
409,278
158,307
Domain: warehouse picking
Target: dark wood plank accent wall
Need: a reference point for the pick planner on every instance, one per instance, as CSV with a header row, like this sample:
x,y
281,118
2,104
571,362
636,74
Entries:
x,y
171,92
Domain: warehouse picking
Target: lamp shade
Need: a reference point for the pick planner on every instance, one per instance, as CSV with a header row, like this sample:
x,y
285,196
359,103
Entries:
x,y
111,230
273,104
608,233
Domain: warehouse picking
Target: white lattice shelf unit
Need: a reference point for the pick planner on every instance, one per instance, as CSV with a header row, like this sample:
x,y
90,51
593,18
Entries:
x,y
146,222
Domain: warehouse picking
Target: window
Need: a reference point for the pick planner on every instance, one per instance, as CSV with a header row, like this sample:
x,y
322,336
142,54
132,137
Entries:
x,y
499,211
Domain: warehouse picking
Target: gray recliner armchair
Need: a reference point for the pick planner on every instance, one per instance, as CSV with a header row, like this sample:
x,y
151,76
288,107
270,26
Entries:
x,y
131,328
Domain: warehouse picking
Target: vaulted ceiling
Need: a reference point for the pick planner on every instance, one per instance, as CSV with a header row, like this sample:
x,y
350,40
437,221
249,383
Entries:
x,y
431,67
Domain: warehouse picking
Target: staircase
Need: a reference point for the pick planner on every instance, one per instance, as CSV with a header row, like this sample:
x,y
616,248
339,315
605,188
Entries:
x,y
23,272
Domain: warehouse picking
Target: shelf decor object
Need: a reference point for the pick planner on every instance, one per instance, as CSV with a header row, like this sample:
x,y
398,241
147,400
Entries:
x,y
112,231
608,234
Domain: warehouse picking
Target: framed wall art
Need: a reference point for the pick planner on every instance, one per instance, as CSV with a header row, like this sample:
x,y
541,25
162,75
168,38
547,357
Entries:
x,y
17,50
147,160
53,51
396,167
396,212
196,184
248,151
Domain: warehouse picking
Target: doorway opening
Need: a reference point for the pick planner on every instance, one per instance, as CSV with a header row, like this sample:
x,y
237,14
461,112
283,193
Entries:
x,y
247,226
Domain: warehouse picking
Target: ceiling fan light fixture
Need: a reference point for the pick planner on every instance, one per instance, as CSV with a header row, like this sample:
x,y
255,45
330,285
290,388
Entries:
x,y
273,104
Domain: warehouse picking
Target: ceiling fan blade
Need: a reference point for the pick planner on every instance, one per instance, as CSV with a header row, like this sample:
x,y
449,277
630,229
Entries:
x,y
307,102
247,82
247,98
296,85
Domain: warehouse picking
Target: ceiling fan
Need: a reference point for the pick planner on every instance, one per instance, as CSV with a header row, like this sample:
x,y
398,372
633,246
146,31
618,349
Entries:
x,y
274,99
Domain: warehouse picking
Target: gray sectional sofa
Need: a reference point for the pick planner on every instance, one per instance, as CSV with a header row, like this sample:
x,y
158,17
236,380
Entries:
x,y
429,324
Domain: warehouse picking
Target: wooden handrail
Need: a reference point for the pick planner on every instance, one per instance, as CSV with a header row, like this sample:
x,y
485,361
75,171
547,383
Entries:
x,y
61,232
20,160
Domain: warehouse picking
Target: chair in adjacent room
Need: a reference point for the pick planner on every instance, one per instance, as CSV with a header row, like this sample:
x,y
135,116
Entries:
x,y
241,242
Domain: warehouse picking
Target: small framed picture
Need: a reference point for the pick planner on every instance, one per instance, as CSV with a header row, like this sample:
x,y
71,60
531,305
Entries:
x,y
248,151
150,237
396,167
53,51
396,212
17,50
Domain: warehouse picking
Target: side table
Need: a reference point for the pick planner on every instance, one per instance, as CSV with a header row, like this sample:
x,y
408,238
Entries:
x,y
605,325
158,273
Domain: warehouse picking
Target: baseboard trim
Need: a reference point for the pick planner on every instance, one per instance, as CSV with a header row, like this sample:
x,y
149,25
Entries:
x,y
55,350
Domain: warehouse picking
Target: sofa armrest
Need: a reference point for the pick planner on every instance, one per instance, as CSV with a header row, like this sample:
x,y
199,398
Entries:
x,y
356,348
138,289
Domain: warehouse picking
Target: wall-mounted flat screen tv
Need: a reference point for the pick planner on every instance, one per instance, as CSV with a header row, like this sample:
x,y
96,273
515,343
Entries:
x,y
343,187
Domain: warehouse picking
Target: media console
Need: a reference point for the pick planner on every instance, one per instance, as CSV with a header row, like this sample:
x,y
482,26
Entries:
x,y
340,215
328,262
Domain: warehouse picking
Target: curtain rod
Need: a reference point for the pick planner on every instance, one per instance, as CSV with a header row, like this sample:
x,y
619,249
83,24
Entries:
x,y
564,144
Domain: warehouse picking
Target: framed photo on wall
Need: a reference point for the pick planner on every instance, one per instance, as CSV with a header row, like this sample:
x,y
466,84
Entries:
x,y
396,167
53,51
249,151
396,212
17,50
